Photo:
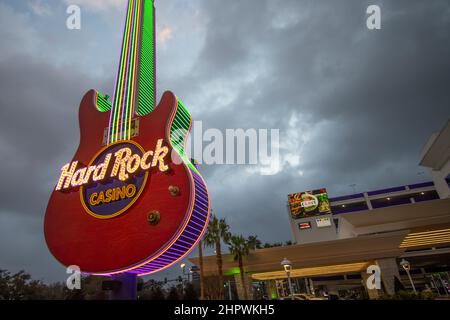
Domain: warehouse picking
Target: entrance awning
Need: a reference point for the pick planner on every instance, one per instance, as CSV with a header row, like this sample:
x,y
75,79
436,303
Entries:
x,y
334,255
315,271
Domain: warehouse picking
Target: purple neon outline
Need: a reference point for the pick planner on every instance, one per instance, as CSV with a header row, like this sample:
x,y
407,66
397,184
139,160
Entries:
x,y
184,242
153,266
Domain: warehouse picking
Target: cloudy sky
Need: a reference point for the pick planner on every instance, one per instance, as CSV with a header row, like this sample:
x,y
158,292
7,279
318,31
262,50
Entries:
x,y
353,106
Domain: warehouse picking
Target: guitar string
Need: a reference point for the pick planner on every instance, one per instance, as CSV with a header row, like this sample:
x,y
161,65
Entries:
x,y
118,99
133,99
125,97
126,78
112,118
131,73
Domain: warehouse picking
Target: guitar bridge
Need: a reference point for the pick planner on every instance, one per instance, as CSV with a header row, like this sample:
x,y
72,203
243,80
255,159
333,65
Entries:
x,y
134,131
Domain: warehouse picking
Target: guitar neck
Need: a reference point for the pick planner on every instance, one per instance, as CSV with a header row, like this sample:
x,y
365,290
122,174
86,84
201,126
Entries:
x,y
135,89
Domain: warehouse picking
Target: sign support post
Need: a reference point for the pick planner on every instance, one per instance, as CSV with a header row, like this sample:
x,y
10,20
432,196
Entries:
x,y
127,290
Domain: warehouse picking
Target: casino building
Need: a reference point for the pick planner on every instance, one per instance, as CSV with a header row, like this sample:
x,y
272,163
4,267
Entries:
x,y
382,228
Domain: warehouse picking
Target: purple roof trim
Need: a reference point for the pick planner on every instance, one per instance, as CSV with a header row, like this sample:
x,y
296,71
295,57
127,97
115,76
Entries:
x,y
347,197
421,185
388,190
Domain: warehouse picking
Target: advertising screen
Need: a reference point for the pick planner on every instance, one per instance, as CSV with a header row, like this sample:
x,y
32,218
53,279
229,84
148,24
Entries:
x,y
309,203
323,222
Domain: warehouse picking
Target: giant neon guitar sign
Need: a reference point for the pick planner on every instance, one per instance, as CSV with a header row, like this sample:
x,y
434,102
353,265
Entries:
x,y
130,200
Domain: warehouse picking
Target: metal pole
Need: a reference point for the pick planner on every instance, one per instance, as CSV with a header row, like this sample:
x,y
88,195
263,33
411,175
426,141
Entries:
x,y
410,280
312,286
229,289
307,285
278,289
290,285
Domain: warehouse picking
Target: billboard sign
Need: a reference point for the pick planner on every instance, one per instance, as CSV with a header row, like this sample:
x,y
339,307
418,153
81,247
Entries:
x,y
309,204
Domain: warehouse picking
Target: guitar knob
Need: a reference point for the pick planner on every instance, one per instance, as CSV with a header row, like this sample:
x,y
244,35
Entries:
x,y
153,217
174,191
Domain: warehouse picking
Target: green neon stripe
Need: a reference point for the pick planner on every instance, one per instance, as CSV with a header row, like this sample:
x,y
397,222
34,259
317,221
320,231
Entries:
x,y
146,85
103,105
184,120
181,121
120,77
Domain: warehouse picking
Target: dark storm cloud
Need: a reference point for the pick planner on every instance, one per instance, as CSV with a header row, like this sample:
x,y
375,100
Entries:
x,y
39,129
38,134
355,105
374,97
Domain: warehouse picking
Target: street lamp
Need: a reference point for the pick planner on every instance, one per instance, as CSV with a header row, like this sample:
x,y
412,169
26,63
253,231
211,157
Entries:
x,y
288,268
183,270
407,266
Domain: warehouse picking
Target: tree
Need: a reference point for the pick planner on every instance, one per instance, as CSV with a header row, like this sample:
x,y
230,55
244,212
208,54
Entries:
x,y
189,292
254,243
75,294
239,248
4,284
152,290
217,231
157,294
212,290
156,290
56,291
202,273
20,286
273,245
173,294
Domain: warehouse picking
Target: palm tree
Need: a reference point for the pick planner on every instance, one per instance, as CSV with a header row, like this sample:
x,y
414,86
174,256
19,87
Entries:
x,y
202,277
254,243
240,247
217,231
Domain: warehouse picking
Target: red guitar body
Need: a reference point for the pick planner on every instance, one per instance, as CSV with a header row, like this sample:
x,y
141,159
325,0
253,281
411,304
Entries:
x,y
128,242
